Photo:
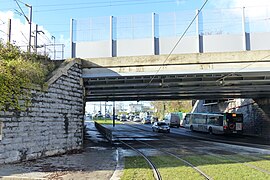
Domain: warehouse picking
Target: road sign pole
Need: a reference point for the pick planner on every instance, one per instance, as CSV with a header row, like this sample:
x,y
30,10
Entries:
x,y
113,113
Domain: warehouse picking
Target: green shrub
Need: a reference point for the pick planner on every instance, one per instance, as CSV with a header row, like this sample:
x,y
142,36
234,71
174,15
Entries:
x,y
18,71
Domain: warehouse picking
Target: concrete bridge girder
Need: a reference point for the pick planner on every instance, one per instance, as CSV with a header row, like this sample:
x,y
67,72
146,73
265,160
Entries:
x,y
199,76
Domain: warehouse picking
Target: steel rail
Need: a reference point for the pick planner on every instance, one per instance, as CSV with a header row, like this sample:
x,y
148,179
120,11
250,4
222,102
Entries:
x,y
177,157
154,169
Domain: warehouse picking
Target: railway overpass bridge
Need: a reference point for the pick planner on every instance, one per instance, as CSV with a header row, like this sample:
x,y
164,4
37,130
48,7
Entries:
x,y
243,74
224,54
200,76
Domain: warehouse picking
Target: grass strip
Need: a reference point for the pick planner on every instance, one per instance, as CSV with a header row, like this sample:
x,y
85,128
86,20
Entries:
x,y
173,169
137,168
107,121
222,168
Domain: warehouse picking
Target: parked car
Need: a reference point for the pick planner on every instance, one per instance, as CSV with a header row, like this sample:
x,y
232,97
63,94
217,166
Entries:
x,y
160,127
146,120
137,119
131,117
123,117
107,115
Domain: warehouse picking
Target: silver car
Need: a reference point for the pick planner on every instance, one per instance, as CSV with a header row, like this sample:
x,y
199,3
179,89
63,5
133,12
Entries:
x,y
137,119
160,127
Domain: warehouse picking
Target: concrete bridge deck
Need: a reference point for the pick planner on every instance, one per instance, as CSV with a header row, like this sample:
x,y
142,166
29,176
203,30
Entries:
x,y
244,74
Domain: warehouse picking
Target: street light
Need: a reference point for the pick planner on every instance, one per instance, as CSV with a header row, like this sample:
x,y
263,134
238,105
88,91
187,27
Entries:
x,y
30,24
29,20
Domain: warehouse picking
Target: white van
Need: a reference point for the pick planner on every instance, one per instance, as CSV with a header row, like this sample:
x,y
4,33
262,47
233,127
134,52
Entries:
x,y
172,119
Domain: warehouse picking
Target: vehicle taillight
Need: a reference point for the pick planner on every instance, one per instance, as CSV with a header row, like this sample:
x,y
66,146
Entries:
x,y
224,127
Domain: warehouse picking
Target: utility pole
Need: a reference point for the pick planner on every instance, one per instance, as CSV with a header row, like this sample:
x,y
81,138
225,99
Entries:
x,y
113,113
53,37
30,26
63,51
36,38
29,20
9,31
36,33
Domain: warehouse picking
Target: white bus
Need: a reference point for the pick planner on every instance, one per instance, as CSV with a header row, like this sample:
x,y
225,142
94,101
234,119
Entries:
x,y
223,123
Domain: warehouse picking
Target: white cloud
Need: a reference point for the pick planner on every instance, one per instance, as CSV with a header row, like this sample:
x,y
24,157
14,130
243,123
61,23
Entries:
x,y
254,8
240,3
250,3
179,2
20,31
66,43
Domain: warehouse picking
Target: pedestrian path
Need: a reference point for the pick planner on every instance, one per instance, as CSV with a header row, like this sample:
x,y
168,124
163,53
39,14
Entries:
x,y
97,160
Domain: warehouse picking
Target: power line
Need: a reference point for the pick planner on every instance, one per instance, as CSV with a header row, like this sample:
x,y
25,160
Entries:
x,y
24,36
221,80
98,6
22,12
104,3
3,32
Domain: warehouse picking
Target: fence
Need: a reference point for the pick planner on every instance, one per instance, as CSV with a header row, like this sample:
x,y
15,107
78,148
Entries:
x,y
157,33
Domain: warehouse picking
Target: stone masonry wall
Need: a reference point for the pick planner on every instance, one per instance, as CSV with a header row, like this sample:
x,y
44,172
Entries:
x,y
53,123
254,117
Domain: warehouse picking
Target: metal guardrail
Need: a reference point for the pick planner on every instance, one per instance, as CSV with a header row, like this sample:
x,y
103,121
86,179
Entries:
x,y
107,133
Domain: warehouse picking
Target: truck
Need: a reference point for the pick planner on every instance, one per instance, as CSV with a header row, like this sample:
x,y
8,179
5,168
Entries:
x,y
172,119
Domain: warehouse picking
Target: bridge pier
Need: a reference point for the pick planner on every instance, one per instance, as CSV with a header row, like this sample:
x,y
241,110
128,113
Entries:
x,y
264,104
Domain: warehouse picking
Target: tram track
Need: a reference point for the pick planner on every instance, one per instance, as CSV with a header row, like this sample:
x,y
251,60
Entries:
x,y
179,158
157,175
152,165
218,156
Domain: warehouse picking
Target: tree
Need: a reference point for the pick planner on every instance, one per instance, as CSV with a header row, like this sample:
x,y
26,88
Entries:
x,y
163,107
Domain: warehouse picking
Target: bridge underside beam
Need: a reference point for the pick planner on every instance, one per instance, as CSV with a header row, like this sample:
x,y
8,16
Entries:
x,y
191,86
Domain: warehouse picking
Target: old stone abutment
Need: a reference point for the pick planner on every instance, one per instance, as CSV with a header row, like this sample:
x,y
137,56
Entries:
x,y
53,123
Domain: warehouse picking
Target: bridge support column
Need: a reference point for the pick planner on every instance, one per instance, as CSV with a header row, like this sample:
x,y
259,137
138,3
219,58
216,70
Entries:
x,y
245,34
264,104
198,30
155,43
72,49
112,40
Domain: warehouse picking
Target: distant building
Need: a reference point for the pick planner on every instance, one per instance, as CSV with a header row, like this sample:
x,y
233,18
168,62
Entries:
x,y
135,108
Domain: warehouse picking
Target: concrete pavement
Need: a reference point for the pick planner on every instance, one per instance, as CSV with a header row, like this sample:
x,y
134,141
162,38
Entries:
x,y
97,160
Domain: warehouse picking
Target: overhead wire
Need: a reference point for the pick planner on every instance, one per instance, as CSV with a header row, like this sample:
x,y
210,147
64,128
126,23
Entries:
x,y
92,3
221,80
99,6
24,35
22,12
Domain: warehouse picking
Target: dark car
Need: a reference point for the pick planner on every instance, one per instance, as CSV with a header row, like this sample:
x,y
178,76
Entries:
x,y
123,117
160,127
146,120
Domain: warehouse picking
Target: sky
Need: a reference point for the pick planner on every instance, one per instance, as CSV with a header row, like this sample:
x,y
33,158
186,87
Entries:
x,y
53,16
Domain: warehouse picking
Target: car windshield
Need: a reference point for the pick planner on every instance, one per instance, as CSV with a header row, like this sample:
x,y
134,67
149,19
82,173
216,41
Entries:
x,y
162,124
